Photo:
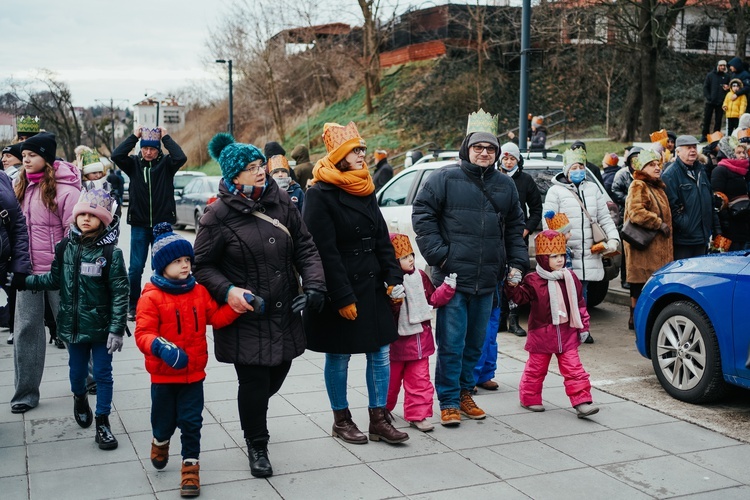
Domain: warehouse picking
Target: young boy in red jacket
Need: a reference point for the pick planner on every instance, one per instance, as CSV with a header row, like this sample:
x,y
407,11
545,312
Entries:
x,y
171,331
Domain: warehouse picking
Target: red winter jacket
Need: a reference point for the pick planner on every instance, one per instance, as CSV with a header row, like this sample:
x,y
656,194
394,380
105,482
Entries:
x,y
543,336
422,345
180,319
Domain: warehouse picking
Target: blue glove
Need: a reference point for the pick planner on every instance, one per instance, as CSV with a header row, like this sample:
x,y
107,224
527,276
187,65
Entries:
x,y
169,353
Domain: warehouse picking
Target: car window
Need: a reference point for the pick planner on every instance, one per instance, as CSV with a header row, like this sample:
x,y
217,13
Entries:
x,y
424,178
180,181
396,193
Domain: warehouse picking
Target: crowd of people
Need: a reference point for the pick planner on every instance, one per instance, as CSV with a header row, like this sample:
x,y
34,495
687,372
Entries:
x,y
288,259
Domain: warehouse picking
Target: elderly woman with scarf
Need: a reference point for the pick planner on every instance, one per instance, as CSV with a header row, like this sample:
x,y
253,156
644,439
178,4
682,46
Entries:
x,y
362,277
730,179
250,246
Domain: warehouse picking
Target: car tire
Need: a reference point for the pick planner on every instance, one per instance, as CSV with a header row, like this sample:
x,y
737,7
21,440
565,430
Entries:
x,y
596,292
689,366
197,223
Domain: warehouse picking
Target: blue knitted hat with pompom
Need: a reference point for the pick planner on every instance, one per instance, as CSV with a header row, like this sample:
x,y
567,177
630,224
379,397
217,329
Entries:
x,y
168,246
232,156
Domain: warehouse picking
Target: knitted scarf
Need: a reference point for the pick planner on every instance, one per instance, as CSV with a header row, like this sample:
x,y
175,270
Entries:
x,y
175,287
556,298
356,182
414,309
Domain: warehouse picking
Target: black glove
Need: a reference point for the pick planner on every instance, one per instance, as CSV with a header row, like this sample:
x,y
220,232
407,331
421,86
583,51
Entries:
x,y
16,281
315,300
299,303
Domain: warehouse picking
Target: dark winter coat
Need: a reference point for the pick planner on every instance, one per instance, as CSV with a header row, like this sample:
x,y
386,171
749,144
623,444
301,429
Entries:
x,y
235,248
647,206
14,237
459,231
529,197
538,139
358,258
733,184
742,74
303,169
608,177
91,307
151,182
691,203
383,173
713,87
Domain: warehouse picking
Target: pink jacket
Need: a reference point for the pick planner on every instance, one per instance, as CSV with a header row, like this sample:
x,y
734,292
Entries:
x,y
543,336
46,228
421,345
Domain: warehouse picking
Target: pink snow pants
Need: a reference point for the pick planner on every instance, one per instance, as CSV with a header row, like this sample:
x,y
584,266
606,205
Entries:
x,y
577,385
418,388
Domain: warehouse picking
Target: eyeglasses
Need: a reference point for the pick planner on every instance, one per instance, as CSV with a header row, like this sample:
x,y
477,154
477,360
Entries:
x,y
359,151
255,169
478,149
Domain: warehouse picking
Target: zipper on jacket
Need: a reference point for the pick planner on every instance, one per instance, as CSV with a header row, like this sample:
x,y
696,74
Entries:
x,y
559,338
179,326
76,286
419,344
147,179
481,247
195,316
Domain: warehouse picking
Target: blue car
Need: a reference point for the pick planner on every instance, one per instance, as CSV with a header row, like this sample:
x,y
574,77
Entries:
x,y
693,321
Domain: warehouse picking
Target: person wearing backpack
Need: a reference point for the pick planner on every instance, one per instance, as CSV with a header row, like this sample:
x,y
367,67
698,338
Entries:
x,y
90,273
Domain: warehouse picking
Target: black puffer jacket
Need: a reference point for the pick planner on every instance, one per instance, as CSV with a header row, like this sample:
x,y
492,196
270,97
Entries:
x,y
14,238
529,198
458,230
151,182
713,90
236,248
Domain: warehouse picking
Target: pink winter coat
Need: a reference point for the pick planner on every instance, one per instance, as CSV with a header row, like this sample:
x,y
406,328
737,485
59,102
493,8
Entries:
x,y
422,345
543,336
46,228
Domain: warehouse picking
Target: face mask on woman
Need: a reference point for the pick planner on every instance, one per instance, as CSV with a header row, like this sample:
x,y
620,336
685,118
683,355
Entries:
x,y
577,176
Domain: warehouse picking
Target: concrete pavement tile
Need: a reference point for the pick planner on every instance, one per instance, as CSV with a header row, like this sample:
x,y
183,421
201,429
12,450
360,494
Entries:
x,y
220,391
246,489
607,447
731,461
130,399
627,414
489,490
224,410
317,401
11,434
15,487
522,459
140,419
574,485
667,476
550,423
601,397
419,443
127,479
309,455
213,437
58,407
12,462
217,467
44,430
74,453
129,381
737,493
293,428
55,389
506,364
356,481
428,473
222,372
680,437
303,383
304,367
477,433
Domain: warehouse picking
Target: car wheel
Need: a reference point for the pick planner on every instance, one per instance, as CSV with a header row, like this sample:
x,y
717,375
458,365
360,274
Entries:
x,y
685,354
197,223
596,291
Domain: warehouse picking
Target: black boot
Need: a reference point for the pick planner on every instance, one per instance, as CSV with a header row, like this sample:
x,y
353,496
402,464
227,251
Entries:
x,y
514,327
103,433
503,326
82,411
257,452
631,326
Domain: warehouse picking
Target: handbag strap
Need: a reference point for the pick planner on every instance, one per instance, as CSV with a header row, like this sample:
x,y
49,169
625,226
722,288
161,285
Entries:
x,y
583,207
484,191
275,222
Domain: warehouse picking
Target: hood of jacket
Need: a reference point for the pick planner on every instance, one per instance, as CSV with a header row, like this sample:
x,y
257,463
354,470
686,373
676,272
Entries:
x,y
463,153
737,63
67,173
300,154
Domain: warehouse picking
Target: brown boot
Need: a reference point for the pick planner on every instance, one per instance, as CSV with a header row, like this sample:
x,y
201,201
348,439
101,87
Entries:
x,y
381,428
345,428
159,454
190,486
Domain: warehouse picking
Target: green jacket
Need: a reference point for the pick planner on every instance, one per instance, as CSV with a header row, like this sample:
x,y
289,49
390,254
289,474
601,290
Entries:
x,y
90,307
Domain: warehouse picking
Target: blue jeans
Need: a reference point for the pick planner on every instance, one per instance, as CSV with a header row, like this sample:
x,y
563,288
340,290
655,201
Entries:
x,y
79,355
377,373
487,365
178,405
461,330
140,239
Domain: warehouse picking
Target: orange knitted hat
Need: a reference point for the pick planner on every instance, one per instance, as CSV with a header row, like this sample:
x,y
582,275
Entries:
x,y
340,140
557,222
611,160
401,245
716,136
550,242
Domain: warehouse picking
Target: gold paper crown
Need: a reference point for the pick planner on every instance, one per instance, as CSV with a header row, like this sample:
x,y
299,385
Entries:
x,y
481,121
573,156
276,162
334,135
89,157
644,158
743,134
716,136
557,222
550,242
659,135
28,125
401,245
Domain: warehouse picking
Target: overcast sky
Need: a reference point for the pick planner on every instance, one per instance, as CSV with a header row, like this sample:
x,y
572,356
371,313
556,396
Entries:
x,y
118,49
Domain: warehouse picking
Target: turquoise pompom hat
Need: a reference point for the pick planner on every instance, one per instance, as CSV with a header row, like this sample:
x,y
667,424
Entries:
x,y
232,156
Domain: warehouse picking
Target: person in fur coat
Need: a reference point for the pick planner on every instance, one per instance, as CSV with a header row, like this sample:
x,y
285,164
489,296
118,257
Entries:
x,y
558,322
410,353
647,206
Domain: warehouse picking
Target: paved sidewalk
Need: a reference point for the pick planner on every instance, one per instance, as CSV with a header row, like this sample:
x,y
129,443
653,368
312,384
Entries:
x,y
626,451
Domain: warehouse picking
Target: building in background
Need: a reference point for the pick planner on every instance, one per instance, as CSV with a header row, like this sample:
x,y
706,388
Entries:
x,y
171,114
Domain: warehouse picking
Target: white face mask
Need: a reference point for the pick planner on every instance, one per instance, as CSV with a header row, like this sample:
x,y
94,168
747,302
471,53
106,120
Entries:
x,y
283,182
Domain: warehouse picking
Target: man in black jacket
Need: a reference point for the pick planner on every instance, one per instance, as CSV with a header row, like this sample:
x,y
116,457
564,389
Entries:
x,y
151,191
715,88
468,221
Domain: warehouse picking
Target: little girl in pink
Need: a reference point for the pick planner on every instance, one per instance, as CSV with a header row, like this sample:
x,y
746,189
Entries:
x,y
410,353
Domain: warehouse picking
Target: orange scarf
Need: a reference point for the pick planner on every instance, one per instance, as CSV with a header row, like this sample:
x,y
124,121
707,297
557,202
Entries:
x,y
356,182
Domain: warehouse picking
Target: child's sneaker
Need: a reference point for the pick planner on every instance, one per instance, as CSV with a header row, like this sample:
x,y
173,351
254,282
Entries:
x,y
469,407
422,425
536,408
159,453
450,417
586,410
190,486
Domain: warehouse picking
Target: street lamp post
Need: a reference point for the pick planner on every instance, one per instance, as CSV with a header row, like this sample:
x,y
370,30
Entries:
x,y
231,106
